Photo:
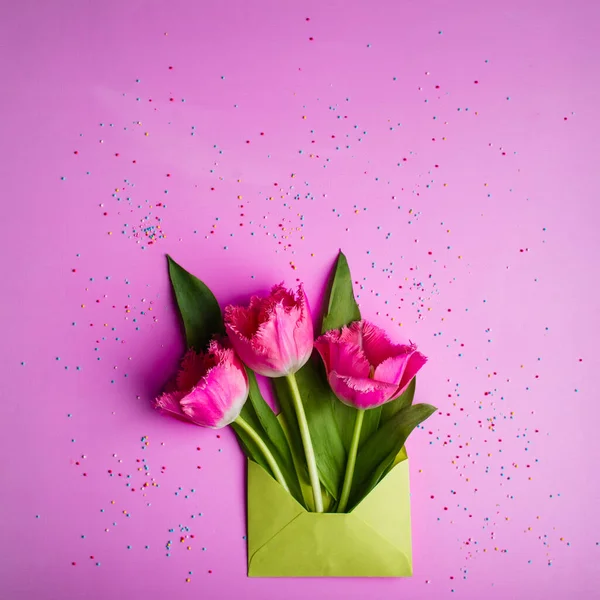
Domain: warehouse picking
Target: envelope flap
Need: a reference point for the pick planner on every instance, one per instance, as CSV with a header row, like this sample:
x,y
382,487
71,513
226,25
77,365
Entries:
x,y
328,545
387,508
264,493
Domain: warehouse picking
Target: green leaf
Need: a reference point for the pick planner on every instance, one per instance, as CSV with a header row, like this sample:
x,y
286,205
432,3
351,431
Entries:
x,y
318,401
402,401
264,421
250,449
345,415
370,424
380,450
198,307
341,308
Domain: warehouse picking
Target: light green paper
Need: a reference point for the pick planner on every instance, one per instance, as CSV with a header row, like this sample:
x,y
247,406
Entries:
x,y
284,540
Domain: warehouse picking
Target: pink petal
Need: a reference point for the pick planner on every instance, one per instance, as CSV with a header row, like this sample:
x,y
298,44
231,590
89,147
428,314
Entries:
x,y
304,334
192,369
168,404
375,343
219,398
392,369
415,362
349,361
360,393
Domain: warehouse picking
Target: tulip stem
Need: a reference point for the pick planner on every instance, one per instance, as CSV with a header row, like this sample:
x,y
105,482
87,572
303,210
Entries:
x,y
306,442
351,461
266,452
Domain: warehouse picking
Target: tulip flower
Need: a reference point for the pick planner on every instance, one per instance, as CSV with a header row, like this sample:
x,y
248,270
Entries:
x,y
365,370
274,337
210,390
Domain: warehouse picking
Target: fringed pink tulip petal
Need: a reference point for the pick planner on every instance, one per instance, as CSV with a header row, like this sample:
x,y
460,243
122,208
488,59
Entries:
x,y
415,362
168,404
392,369
219,398
191,371
360,393
343,358
375,343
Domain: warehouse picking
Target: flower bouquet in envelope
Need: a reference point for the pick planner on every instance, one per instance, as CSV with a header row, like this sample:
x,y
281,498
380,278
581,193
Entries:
x,y
328,480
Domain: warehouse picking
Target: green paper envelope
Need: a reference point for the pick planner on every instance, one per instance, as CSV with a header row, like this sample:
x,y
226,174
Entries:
x,y
284,540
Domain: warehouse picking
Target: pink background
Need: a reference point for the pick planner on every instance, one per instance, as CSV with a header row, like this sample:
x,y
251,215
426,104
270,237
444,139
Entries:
x,y
449,148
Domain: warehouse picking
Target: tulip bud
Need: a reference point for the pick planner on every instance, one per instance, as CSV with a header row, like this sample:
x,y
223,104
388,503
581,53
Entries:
x,y
273,335
210,389
364,368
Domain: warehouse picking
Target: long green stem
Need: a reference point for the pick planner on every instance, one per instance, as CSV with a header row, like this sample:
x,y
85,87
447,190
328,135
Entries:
x,y
351,461
307,443
266,452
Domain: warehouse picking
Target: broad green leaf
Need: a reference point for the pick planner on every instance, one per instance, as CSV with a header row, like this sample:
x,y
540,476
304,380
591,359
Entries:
x,y
341,307
270,430
345,416
381,449
318,400
198,307
402,401
370,424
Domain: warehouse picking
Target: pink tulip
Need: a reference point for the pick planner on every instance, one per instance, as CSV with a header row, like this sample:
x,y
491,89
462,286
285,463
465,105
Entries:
x,y
273,335
210,388
364,368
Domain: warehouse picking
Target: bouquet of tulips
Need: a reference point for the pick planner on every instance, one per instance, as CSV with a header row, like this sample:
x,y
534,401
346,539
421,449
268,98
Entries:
x,y
328,482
